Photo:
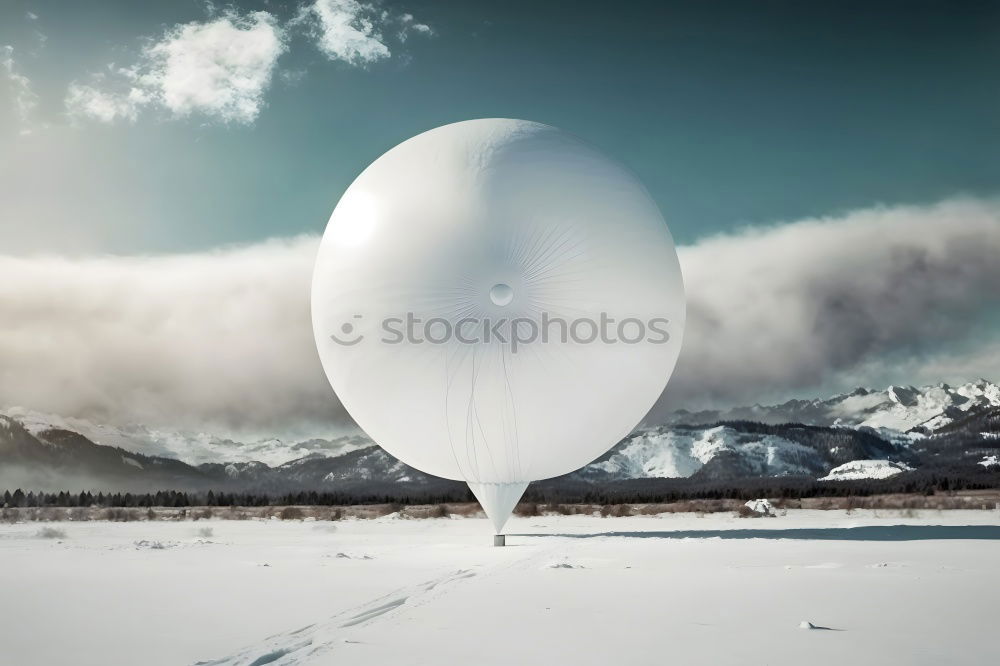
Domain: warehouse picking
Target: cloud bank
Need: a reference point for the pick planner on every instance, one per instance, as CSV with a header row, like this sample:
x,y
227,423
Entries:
x,y
800,305
215,341
222,340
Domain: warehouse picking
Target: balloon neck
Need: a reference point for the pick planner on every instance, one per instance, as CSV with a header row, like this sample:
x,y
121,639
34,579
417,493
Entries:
x,y
498,499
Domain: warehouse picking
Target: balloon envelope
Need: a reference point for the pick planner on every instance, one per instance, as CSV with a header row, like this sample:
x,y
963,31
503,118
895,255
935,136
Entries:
x,y
497,302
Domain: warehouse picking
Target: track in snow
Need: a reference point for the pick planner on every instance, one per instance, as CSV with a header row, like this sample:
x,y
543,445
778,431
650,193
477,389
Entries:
x,y
294,647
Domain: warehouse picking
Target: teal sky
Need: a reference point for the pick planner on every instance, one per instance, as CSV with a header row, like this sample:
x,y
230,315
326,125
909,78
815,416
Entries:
x,y
732,113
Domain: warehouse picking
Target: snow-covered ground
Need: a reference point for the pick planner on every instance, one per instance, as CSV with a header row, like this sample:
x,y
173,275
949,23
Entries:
x,y
879,589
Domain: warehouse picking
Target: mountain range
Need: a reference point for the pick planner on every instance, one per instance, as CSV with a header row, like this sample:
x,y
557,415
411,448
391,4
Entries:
x,y
861,434
192,447
899,408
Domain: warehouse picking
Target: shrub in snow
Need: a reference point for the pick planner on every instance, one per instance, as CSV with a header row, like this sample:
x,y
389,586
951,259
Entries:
x,y
526,509
120,515
391,510
616,511
291,513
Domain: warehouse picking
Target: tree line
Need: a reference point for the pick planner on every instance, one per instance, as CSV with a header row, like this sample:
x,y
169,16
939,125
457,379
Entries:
x,y
182,499
560,490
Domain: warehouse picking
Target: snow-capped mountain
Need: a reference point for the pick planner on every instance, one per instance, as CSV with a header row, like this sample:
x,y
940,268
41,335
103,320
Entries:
x,y
900,408
740,449
671,453
899,427
194,448
61,459
57,459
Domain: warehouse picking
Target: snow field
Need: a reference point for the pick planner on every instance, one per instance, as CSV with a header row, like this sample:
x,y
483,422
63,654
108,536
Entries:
x,y
643,590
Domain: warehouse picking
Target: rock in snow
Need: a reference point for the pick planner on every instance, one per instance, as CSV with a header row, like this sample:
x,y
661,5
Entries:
x,y
761,506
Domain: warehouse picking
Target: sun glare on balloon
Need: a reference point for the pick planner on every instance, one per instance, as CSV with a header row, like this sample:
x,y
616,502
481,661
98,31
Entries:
x,y
354,220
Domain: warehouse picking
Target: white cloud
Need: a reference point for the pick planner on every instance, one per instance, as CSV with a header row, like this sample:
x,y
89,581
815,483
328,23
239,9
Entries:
x,y
32,16
90,102
25,99
223,339
353,32
221,69
410,25
347,30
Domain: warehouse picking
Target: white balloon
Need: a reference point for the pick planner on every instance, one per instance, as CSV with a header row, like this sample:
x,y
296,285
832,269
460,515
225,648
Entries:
x,y
442,266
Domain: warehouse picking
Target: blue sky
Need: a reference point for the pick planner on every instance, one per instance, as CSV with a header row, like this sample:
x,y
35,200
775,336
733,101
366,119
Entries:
x,y
831,171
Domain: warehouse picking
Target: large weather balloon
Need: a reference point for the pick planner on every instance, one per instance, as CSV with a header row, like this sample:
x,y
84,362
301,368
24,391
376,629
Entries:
x,y
495,301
